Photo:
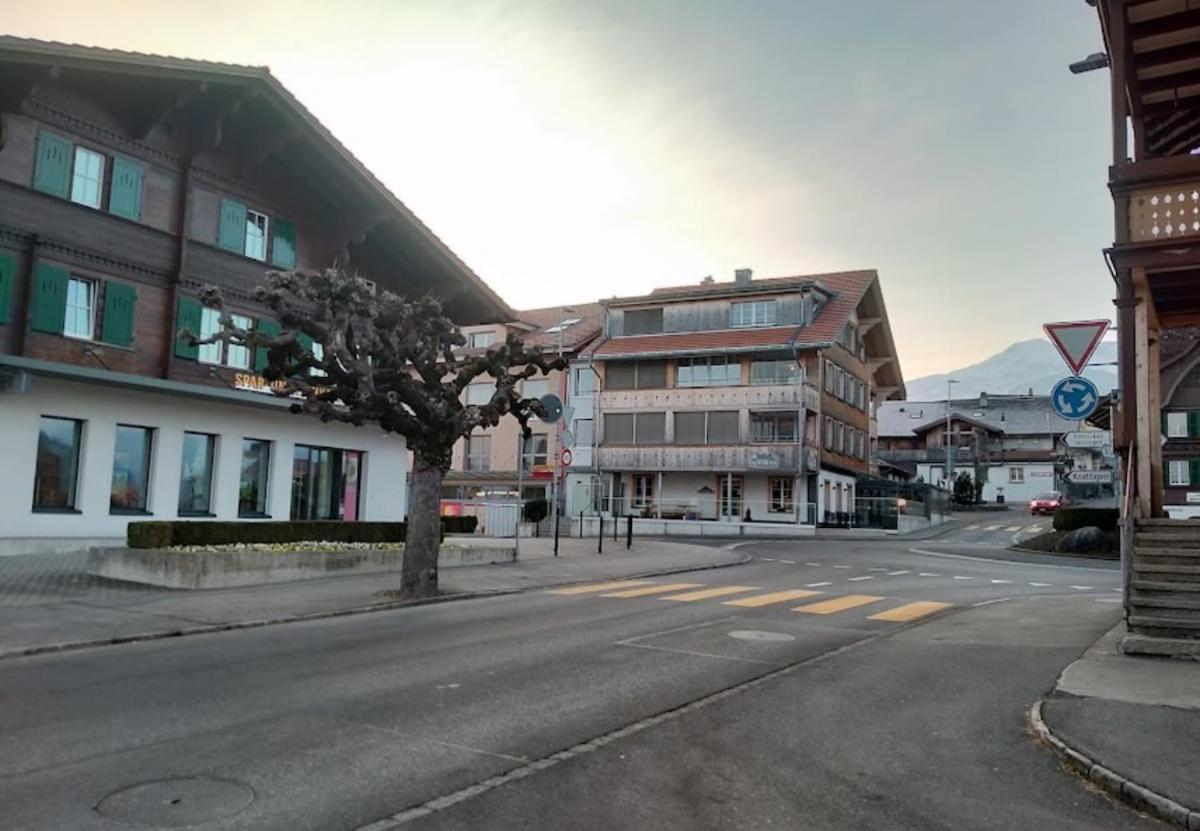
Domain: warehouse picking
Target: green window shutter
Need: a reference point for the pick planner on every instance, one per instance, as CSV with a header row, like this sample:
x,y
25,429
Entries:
x,y
232,233
1193,424
49,298
187,317
120,300
267,329
125,198
52,168
8,268
1194,472
1163,418
283,244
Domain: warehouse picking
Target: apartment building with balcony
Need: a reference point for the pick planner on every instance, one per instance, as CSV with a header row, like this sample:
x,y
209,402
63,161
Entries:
x,y
128,183
743,400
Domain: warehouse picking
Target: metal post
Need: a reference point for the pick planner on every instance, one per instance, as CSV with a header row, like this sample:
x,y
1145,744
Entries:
x,y
556,536
520,484
950,382
581,525
629,531
600,536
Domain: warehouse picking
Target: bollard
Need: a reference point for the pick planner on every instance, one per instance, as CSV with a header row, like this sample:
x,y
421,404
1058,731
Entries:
x,y
556,533
600,535
629,531
615,529
581,535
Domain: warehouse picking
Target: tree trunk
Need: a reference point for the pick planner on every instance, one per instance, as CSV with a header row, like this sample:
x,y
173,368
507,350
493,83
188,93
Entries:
x,y
418,573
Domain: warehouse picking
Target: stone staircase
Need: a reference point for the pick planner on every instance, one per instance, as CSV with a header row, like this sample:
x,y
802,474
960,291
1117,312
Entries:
x,y
1164,591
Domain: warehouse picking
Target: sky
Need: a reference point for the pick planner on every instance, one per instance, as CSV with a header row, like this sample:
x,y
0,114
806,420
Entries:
x,y
569,150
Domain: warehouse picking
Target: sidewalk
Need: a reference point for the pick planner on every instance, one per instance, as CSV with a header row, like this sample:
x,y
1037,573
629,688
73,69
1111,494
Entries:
x,y
1135,719
48,602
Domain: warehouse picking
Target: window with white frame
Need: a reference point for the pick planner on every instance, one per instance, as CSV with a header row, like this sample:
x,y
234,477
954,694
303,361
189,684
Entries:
x,y
318,352
234,355
782,495
237,355
585,432
709,371
643,491
1179,472
479,394
585,381
773,427
1177,425
829,377
828,433
1016,475
752,313
477,455
480,340
256,235
87,180
80,320
773,371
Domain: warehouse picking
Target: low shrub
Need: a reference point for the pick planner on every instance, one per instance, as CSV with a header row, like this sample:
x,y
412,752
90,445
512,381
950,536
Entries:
x,y
1070,519
459,524
163,534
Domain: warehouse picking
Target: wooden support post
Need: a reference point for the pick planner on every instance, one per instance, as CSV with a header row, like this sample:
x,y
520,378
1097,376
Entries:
x,y
1154,451
1149,456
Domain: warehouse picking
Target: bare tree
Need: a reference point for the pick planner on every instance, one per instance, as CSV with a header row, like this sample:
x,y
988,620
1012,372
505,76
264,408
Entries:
x,y
390,361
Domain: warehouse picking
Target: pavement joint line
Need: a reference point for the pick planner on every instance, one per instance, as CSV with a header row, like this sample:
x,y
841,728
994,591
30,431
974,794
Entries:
x,y
456,797
1137,796
73,646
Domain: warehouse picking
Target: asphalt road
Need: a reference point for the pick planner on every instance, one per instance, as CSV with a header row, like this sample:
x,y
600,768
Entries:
x,y
887,696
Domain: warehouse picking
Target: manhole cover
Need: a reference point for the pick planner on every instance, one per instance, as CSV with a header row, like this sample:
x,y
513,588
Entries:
x,y
169,803
757,635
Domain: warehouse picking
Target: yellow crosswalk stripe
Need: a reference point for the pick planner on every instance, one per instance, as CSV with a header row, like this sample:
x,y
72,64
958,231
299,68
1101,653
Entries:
x,y
992,528
659,589
705,594
1033,529
1013,528
910,611
838,604
599,587
768,599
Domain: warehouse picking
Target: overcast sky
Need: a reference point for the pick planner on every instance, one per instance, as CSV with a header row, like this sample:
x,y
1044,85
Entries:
x,y
572,150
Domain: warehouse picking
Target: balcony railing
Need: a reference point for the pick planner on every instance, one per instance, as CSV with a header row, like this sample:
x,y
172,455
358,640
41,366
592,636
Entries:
x,y
744,458
1159,197
734,398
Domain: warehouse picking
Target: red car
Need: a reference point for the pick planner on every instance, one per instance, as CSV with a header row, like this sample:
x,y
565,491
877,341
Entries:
x,y
1047,503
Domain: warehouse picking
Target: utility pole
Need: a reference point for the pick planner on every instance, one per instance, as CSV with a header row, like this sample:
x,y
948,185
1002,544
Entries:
x,y
558,448
950,382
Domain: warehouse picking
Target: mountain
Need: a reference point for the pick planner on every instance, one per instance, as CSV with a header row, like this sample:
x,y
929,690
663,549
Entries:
x,y
1028,364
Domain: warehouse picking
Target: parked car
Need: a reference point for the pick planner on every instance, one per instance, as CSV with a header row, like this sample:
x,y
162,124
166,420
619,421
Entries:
x,y
1047,503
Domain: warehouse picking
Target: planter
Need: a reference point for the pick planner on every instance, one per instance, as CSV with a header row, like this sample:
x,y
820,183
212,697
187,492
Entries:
x,y
227,569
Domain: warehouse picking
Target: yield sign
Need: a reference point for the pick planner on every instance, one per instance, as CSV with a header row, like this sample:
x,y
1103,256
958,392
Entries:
x,y
1076,340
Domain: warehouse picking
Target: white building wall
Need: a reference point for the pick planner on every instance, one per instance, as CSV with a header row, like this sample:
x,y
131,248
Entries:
x,y
835,493
382,480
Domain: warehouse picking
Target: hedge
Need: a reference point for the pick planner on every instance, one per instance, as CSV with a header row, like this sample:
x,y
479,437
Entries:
x,y
163,534
1069,519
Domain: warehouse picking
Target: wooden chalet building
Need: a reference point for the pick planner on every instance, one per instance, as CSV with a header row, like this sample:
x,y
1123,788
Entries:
x,y
127,183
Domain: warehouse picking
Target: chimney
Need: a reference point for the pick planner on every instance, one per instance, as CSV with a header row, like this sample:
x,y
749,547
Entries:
x,y
983,400
741,276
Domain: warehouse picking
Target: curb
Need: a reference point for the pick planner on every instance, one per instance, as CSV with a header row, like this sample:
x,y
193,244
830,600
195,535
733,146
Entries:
x,y
208,629
1137,796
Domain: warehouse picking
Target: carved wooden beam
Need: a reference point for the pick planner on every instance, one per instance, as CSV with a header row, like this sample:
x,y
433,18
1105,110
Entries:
x,y
218,140
270,148
866,324
178,105
878,363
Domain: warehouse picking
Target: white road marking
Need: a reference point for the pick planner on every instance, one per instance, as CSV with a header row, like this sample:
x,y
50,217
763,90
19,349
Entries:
x,y
768,559
928,574
993,561
817,565
961,577
789,562
1040,585
995,581
898,573
975,527
1033,529
1084,588
1012,528
1118,590
992,528
816,585
989,602
1108,600
841,566
856,579
877,569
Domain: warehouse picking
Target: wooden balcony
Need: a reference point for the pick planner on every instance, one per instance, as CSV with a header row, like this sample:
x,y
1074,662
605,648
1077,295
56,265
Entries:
x,y
710,398
1157,200
764,458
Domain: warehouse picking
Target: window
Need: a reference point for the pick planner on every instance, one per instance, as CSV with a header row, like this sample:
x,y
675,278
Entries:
x,y
479,394
480,340
651,375
80,318
690,428
234,355
256,235
195,476
839,437
639,375
535,450
752,313
730,490
829,377
87,181
1178,472
828,433
1177,425
535,387
253,479
318,353
643,321
56,473
237,355
477,455
715,371
782,491
585,381
773,427
618,428
131,470
723,427
643,491
1016,475
650,428
778,371
326,483
585,432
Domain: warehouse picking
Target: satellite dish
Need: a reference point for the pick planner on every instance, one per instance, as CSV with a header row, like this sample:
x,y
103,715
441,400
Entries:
x,y
554,407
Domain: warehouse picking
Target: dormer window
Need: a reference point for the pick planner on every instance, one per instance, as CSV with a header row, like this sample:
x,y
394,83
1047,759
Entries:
x,y
752,313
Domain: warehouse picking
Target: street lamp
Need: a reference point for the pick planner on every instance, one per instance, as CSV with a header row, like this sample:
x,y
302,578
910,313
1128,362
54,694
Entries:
x,y
950,382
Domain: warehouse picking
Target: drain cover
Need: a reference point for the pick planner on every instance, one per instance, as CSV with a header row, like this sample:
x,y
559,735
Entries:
x,y
757,635
169,803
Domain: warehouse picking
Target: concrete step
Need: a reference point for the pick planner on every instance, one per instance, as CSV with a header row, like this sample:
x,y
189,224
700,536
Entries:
x,y
1144,599
1175,570
1173,624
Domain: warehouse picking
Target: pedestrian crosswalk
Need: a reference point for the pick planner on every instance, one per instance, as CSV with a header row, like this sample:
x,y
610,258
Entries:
x,y
811,601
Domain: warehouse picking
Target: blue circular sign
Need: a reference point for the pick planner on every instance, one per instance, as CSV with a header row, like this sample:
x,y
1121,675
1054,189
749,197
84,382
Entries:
x,y
1075,398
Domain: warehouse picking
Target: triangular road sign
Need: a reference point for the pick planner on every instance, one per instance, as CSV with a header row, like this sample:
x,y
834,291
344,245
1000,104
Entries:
x,y
1076,340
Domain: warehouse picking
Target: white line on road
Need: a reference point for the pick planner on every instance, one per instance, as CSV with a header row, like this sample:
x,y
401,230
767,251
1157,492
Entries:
x,y
1040,585
996,581
816,585
789,562
992,528
815,565
928,574
856,579
989,602
877,569
768,559
1108,600
841,566
1084,588
975,527
898,573
993,561
961,577
1012,528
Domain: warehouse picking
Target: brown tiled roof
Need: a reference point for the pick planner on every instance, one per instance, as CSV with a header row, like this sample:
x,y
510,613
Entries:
x,y
848,289
591,322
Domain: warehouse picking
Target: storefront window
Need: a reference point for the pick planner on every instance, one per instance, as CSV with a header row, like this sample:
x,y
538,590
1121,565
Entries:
x,y
325,483
255,473
195,478
57,470
131,470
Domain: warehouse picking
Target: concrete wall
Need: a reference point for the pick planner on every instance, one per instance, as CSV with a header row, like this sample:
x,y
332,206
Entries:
x,y
382,487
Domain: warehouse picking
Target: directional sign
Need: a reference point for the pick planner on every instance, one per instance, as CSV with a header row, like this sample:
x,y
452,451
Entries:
x,y
1074,398
1076,340
1090,477
1089,439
